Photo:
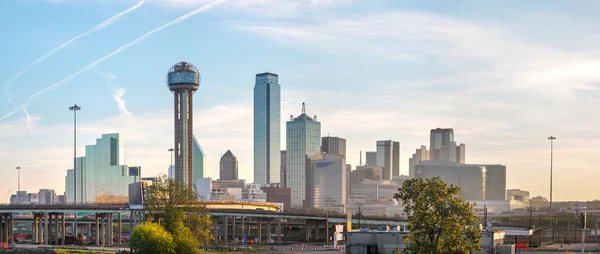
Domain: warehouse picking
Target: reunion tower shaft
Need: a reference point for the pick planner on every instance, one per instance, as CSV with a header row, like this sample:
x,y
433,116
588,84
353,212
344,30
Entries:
x,y
183,80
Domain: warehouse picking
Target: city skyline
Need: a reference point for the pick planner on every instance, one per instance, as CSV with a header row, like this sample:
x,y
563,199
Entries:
x,y
503,102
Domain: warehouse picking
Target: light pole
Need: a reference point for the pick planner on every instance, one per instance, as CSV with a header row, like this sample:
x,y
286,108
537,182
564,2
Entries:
x,y
171,166
551,138
19,184
75,108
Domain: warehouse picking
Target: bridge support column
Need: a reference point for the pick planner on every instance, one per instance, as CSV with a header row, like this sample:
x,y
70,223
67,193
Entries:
x,y
34,229
12,226
317,231
226,230
63,228
259,232
234,230
46,235
111,236
97,229
278,230
243,232
327,230
307,232
120,229
269,237
1,227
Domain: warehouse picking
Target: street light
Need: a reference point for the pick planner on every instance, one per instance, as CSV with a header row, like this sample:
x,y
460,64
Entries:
x,y
551,138
171,166
75,108
19,179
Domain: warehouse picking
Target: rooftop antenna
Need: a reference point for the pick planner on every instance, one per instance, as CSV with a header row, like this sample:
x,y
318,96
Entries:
x,y
303,108
360,164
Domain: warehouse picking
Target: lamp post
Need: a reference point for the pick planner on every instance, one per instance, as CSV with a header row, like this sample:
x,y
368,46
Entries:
x,y
551,138
171,166
19,184
75,108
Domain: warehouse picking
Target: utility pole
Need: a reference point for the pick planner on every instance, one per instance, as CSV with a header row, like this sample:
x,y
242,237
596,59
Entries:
x,y
530,210
551,138
75,108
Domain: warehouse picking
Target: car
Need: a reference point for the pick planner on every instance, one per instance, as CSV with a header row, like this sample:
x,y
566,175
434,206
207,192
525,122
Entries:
x,y
245,247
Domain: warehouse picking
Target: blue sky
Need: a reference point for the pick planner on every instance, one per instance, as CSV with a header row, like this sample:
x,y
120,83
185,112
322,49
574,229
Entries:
x,y
504,74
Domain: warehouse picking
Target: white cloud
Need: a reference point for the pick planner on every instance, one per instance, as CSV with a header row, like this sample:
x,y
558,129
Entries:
x,y
118,97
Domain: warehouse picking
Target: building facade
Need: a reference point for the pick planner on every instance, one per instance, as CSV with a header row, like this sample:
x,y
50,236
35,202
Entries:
x,y
421,154
47,197
388,157
519,195
333,145
303,137
278,194
283,168
328,181
443,147
101,174
267,129
183,79
477,181
371,158
228,166
199,160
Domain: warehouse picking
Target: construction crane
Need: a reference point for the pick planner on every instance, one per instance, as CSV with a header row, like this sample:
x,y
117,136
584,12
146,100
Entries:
x,y
8,196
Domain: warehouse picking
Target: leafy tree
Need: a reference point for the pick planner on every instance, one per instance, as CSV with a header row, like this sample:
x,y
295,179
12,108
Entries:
x,y
439,220
180,212
151,238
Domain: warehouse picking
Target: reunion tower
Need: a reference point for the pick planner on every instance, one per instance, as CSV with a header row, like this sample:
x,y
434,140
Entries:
x,y
183,81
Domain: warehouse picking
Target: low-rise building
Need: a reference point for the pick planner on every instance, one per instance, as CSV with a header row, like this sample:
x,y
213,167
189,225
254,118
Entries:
x,y
519,195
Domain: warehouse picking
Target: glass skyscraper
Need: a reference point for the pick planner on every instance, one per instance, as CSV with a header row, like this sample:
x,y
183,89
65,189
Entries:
x,y
199,160
102,175
267,129
303,138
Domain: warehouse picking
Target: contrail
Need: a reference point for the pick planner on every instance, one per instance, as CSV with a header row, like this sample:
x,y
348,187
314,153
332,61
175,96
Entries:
x,y
98,27
126,46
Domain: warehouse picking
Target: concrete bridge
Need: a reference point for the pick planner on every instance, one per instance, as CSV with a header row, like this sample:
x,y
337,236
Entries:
x,y
50,223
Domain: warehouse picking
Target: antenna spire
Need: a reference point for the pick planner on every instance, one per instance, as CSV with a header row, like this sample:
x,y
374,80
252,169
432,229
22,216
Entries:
x,y
303,108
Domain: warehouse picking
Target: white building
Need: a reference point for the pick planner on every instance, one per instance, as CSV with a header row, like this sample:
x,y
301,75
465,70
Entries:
x,y
328,181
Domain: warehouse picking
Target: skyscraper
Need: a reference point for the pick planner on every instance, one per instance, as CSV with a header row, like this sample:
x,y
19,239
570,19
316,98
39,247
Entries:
x,y
199,160
460,153
328,181
388,157
47,197
421,154
303,136
183,80
228,167
371,158
102,170
283,168
333,145
443,147
267,128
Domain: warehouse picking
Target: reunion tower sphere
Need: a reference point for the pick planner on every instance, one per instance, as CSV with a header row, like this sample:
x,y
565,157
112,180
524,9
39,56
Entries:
x,y
183,75
183,80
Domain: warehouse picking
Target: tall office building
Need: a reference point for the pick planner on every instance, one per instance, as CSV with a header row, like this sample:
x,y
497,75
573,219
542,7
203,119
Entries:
x,y
183,80
477,181
267,128
388,157
303,137
228,167
199,160
460,153
327,185
333,145
443,147
371,158
283,168
101,173
47,197
421,154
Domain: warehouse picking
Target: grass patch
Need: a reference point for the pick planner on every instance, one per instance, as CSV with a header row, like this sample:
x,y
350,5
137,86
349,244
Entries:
x,y
83,251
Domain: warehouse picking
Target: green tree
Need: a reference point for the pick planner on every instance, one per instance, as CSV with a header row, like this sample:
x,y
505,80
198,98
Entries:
x,y
151,238
439,220
181,213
